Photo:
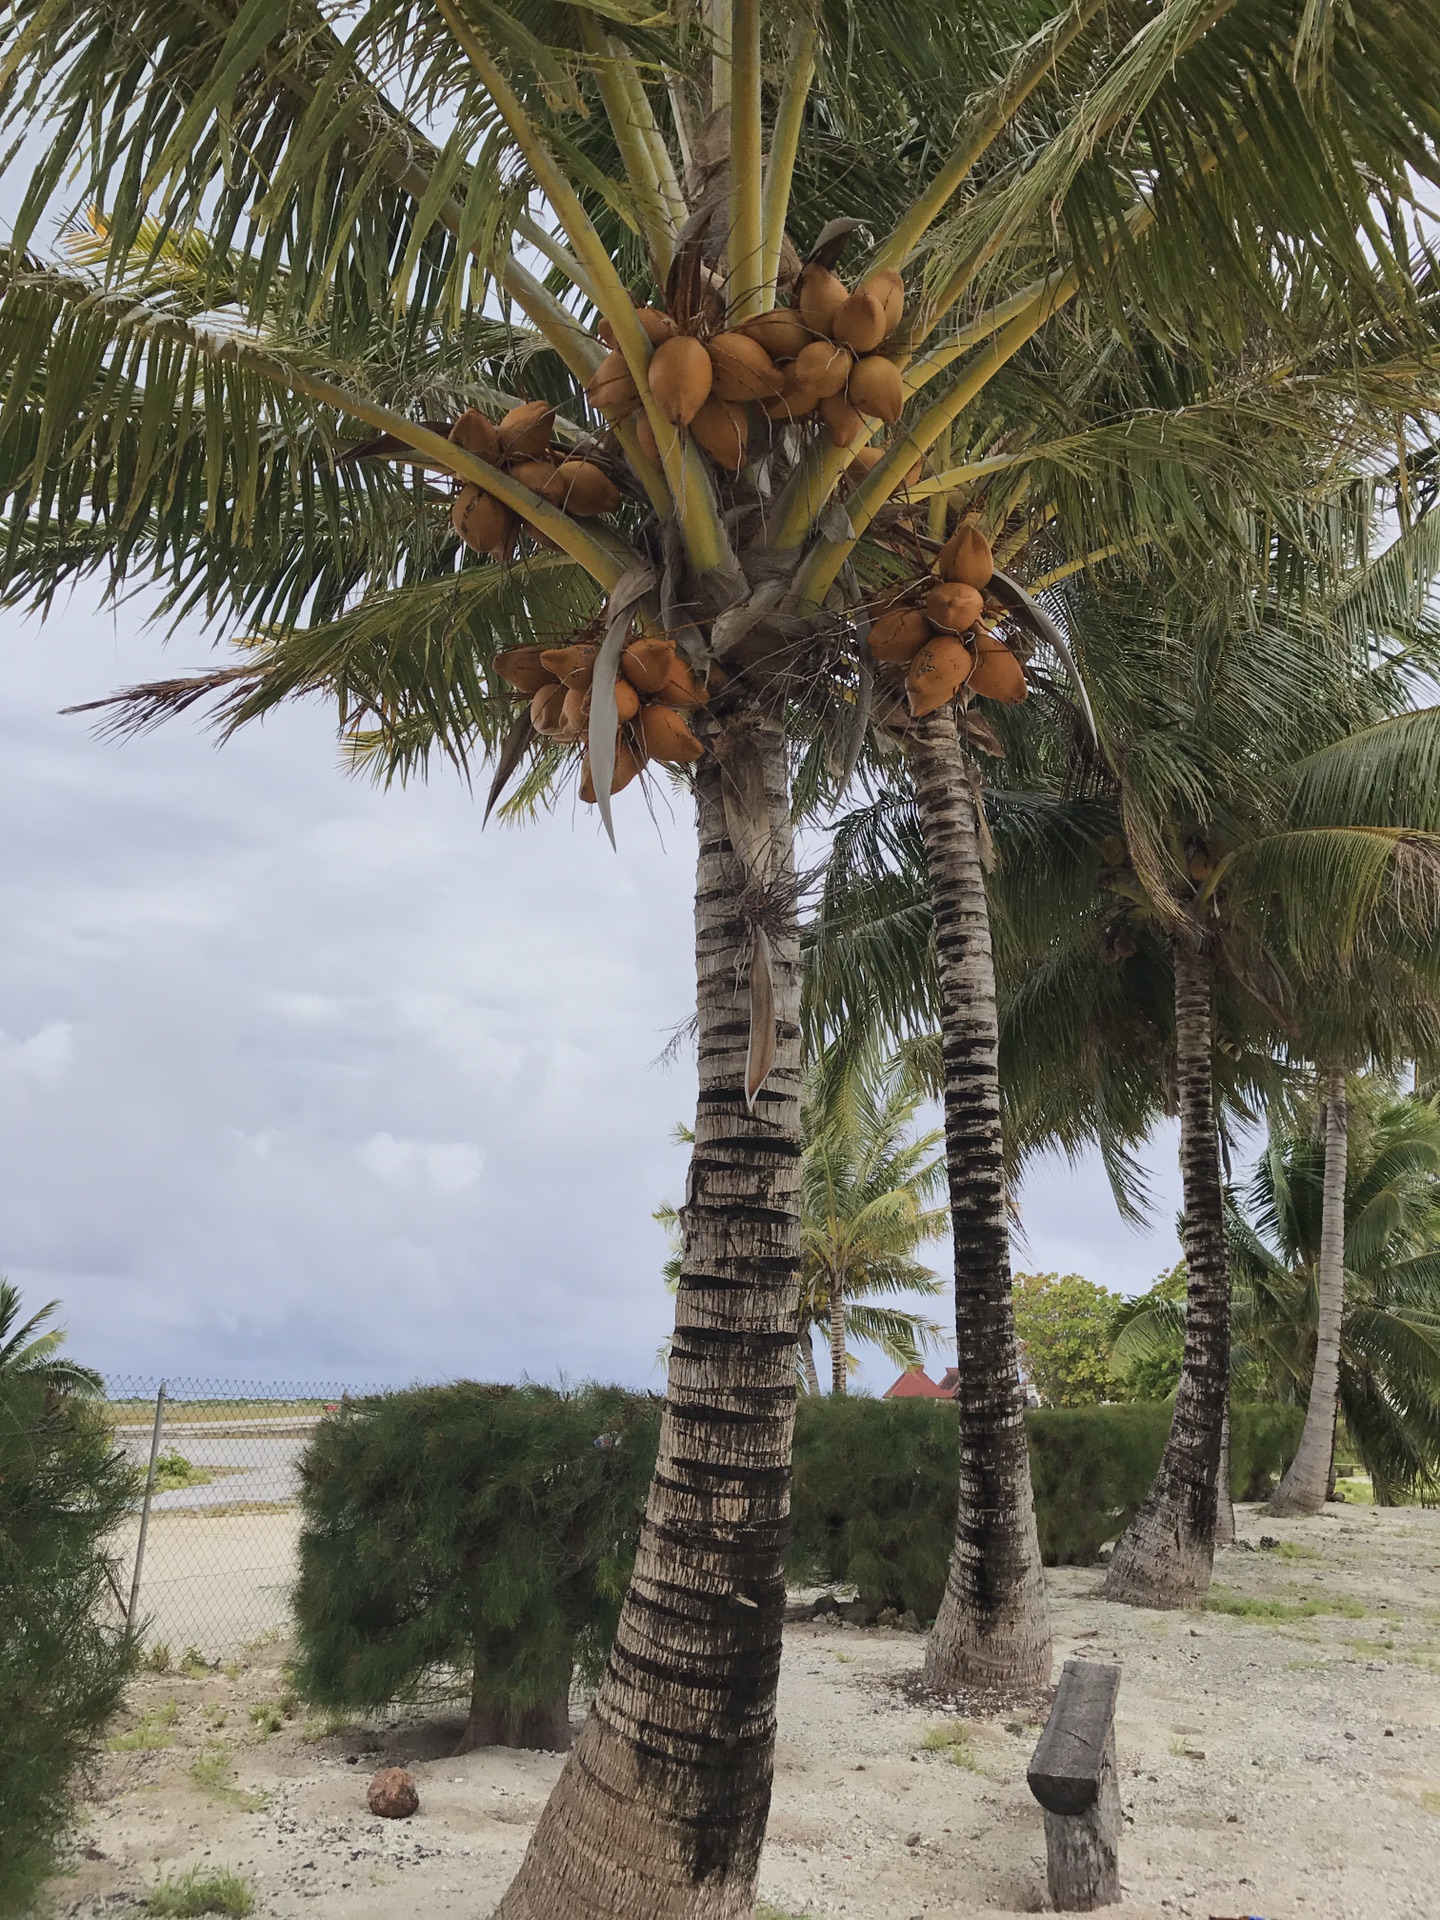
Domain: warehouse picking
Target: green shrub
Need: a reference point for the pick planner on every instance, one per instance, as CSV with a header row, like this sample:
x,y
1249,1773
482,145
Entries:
x,y
875,1485
63,1654
481,1528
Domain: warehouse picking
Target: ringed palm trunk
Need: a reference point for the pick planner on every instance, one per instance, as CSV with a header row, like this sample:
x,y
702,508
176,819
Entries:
x,y
991,1638
839,1379
1224,1504
807,1361
660,1811
1309,1479
1165,1555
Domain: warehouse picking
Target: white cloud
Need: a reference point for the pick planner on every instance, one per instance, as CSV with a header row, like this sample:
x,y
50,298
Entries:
x,y
42,1058
449,1167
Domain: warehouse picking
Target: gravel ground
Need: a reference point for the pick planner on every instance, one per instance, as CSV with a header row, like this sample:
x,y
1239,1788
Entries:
x,y
1282,1763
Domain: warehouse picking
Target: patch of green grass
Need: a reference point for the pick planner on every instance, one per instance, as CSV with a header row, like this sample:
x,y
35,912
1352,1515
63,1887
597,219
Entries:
x,y
764,1911
1296,1550
152,1732
1244,1606
265,1639
156,1658
1431,1803
952,1737
231,1669
324,1726
213,1774
173,1470
267,1717
195,1666
1372,1649
200,1892
1356,1493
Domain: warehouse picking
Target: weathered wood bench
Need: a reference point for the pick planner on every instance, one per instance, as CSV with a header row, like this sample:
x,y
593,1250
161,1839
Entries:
x,y
1072,1775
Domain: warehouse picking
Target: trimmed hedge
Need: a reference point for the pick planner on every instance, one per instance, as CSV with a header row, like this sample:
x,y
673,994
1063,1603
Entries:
x,y
489,1529
874,1496
492,1529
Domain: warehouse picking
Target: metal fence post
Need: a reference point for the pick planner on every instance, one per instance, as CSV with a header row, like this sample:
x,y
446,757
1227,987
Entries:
x,y
145,1507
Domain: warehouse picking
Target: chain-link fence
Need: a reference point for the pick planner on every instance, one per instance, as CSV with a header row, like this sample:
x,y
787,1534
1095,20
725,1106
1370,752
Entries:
x,y
209,1556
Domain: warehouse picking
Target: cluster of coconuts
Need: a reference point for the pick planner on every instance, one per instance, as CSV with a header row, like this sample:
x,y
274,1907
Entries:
x,y
936,635
520,444
653,690
819,355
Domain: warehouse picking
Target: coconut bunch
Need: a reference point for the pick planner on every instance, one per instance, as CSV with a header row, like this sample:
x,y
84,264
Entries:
x,y
818,356
937,637
521,445
654,689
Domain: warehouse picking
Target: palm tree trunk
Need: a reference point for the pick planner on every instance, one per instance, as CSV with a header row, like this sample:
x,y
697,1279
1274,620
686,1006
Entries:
x,y
839,1380
1164,1557
1308,1479
991,1638
660,1811
807,1360
1224,1504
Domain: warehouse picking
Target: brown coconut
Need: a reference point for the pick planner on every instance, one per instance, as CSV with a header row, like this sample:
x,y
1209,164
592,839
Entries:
x,y
575,665
582,488
627,700
645,434
646,664
535,474
937,673
794,402
822,368
547,707
781,332
666,736
474,433
966,557
482,522
524,669
842,422
998,674
525,431
896,637
611,390
743,369
954,607
820,295
656,326
860,323
724,432
626,768
680,688
575,713
889,289
681,375
876,389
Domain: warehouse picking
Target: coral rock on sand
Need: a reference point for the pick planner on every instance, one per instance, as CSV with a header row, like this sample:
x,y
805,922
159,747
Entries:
x,y
392,1794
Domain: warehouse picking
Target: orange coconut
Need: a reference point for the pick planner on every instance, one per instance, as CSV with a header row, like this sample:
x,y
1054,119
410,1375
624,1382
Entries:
x,y
666,735
954,607
998,674
582,488
937,673
575,665
875,388
822,368
841,420
523,669
482,522
476,434
896,637
820,296
626,768
743,369
860,323
657,326
547,706
966,557
646,664
611,390
781,332
724,432
681,375
525,431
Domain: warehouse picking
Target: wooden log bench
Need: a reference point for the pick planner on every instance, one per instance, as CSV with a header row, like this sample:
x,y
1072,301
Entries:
x,y
1072,1775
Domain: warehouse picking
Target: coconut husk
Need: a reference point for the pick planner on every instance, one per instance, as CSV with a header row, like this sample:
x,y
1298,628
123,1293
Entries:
x,y
475,433
666,735
582,488
937,673
575,664
626,768
611,389
889,289
860,322
681,375
896,637
842,422
483,522
524,432
724,432
680,688
657,326
875,388
820,295
524,669
546,708
743,370
646,664
998,674
535,474
823,368
781,332
953,607
966,558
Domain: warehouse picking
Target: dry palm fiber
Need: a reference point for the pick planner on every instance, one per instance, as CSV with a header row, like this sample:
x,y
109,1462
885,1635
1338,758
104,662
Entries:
x,y
936,674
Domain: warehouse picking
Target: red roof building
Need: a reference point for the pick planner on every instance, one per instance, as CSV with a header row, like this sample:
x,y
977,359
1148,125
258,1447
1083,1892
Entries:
x,y
916,1384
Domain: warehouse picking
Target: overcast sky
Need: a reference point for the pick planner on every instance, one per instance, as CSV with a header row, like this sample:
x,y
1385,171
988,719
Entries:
x,y
300,1079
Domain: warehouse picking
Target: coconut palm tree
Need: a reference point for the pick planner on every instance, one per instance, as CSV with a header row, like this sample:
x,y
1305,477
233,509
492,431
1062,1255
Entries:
x,y
866,1188
27,1353
318,246
1388,1368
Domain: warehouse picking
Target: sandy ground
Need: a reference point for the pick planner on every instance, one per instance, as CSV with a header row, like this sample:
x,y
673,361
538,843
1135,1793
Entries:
x,y
1285,1766
212,1579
